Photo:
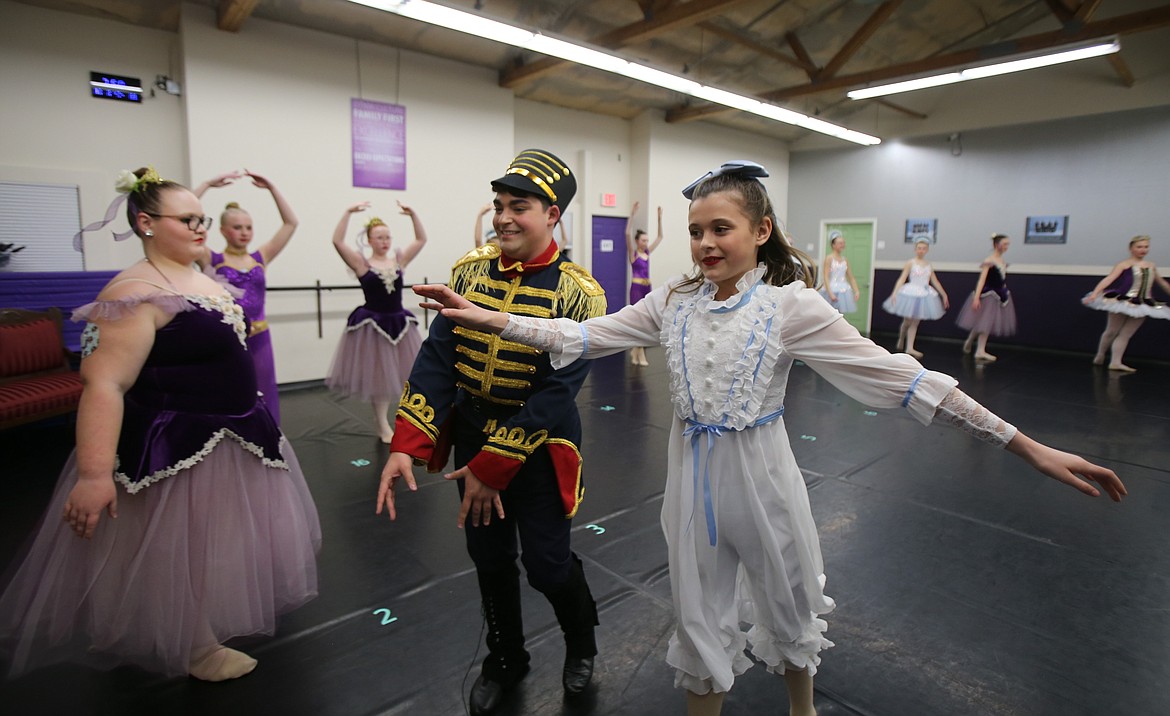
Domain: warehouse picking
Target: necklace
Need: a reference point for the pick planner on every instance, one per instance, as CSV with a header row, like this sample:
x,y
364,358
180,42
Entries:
x,y
234,251
160,273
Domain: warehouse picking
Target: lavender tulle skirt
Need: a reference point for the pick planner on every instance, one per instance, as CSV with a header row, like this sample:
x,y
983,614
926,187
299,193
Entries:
x,y
260,347
216,551
370,365
994,316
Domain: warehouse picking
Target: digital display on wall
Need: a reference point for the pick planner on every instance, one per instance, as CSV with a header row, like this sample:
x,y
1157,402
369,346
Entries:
x,y
104,85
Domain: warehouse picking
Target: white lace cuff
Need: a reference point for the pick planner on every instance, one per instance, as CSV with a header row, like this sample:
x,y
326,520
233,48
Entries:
x,y
539,333
961,411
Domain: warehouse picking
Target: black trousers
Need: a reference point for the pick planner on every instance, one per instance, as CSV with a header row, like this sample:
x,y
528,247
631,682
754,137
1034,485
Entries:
x,y
534,527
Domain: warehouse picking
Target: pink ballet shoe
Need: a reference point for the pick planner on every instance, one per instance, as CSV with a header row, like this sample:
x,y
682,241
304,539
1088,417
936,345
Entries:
x,y
220,663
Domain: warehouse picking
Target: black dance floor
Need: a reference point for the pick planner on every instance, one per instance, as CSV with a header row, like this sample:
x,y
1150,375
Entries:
x,y
965,583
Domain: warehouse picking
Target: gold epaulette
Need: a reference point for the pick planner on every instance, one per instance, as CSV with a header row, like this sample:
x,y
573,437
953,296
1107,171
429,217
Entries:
x,y
481,253
583,278
474,265
579,295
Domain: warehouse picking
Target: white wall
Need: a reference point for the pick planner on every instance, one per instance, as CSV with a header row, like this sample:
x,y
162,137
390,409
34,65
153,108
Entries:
x,y
56,133
1108,173
247,108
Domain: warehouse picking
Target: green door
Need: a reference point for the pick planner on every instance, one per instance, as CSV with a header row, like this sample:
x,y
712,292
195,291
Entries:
x,y
859,235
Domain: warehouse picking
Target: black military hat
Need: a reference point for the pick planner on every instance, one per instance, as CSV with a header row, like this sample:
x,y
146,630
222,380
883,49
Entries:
x,y
536,171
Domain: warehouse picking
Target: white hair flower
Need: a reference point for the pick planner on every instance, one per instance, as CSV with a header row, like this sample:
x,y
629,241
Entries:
x,y
126,181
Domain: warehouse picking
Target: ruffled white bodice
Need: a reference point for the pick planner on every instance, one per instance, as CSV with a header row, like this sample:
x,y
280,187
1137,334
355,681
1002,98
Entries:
x,y
725,357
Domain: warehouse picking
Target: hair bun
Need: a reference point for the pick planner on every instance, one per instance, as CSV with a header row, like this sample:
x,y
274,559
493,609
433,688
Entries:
x,y
231,205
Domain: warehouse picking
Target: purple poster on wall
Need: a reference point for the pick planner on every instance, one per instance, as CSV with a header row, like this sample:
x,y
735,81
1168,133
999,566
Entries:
x,y
379,144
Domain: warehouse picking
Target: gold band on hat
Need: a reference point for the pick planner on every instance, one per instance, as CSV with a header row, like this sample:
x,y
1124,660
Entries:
x,y
535,179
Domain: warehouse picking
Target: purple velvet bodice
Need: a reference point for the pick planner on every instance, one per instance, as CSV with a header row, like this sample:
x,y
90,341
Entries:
x,y
196,388
996,282
383,306
253,282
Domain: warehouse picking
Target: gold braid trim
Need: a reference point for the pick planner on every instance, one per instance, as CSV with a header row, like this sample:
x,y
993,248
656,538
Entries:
x,y
579,489
579,294
514,442
413,409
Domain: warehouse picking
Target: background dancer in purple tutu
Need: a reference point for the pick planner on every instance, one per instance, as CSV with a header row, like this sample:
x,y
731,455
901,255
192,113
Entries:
x,y
639,248
216,533
1127,295
380,341
917,297
989,310
248,271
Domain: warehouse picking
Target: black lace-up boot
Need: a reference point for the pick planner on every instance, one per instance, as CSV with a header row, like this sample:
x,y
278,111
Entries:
x,y
507,660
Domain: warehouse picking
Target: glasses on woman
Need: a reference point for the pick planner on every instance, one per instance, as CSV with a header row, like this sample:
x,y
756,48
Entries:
x,y
193,222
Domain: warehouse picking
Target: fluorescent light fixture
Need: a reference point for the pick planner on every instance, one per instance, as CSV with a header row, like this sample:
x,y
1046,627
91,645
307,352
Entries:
x,y
480,26
1002,68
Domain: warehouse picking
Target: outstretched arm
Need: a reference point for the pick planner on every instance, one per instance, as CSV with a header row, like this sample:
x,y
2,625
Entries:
x,y
420,236
631,245
219,180
355,261
1107,281
658,238
288,220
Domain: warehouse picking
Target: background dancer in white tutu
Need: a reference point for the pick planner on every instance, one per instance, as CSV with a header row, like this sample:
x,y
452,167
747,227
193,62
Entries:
x,y
917,296
1127,295
741,542
840,289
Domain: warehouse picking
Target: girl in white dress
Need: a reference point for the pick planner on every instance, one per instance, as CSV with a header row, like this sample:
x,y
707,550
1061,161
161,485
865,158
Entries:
x,y
917,296
742,544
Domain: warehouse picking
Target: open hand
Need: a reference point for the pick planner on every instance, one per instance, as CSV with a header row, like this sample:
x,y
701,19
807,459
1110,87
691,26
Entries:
x,y
459,309
360,206
258,180
398,466
1072,470
478,499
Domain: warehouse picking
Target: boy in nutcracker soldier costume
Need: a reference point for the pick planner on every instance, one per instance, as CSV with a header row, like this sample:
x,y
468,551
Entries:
x,y
514,425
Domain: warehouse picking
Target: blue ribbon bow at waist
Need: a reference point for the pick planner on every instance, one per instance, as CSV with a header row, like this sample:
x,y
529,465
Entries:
x,y
694,431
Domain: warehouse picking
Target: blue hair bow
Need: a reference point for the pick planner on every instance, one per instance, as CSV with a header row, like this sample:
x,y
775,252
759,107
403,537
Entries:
x,y
739,167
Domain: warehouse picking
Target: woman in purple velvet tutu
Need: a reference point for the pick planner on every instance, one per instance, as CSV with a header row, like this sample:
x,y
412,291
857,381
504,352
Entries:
x,y
989,310
216,533
381,340
639,248
1127,295
247,271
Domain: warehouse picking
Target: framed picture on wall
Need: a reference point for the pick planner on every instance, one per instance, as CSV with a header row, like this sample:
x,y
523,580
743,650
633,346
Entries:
x,y
1046,230
921,227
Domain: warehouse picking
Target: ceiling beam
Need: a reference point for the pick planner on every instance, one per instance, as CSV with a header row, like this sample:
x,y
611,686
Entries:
x,y
855,43
802,54
899,108
756,46
668,20
231,14
1121,25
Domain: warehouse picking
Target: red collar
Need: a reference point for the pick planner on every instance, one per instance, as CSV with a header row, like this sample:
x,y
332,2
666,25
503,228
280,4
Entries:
x,y
513,268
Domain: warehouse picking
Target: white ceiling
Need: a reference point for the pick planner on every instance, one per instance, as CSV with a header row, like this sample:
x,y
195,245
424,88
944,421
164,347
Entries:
x,y
802,54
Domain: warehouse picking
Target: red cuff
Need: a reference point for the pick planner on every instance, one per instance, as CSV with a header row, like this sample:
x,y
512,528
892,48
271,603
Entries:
x,y
493,470
412,441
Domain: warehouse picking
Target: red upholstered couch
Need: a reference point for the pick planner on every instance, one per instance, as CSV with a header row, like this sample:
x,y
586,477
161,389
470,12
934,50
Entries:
x,y
36,380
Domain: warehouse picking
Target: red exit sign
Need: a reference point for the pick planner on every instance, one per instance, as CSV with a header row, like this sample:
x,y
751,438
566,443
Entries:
x,y
609,200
